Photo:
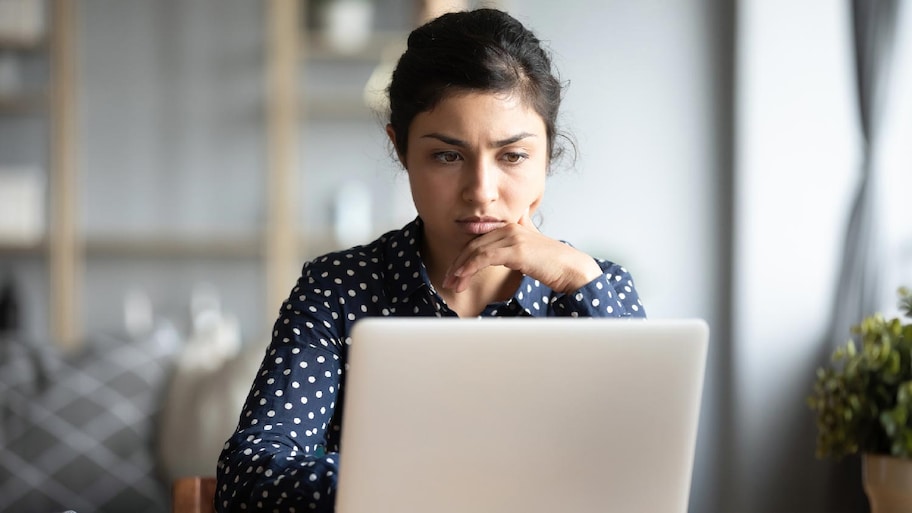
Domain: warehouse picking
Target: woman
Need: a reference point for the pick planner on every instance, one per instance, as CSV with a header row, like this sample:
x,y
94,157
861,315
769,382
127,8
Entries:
x,y
473,105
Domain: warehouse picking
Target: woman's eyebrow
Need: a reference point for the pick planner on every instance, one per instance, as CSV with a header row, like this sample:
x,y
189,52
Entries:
x,y
510,140
452,141
462,144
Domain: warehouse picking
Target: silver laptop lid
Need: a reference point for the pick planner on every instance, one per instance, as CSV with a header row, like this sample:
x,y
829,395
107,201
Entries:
x,y
520,415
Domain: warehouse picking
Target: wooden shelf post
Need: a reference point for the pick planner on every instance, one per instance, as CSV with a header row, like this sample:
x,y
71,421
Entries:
x,y
65,255
282,70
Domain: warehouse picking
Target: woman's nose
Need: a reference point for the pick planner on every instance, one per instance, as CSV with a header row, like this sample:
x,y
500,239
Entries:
x,y
480,182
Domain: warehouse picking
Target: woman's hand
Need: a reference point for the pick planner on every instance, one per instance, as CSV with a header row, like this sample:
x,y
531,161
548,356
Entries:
x,y
521,247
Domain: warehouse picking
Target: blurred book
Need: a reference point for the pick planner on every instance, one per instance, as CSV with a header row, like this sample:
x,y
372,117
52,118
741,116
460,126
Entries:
x,y
22,206
23,20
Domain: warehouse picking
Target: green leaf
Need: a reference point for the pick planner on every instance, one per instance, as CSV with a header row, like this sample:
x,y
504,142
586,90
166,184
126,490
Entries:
x,y
862,400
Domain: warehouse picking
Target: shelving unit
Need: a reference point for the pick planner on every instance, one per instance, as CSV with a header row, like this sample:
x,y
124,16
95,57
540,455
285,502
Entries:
x,y
24,103
32,249
54,101
167,246
64,248
70,250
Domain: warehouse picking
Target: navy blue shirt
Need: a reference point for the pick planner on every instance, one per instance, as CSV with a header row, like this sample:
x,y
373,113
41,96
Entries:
x,y
284,453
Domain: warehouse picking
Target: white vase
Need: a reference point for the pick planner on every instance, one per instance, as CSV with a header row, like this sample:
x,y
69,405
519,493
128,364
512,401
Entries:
x,y
887,481
347,24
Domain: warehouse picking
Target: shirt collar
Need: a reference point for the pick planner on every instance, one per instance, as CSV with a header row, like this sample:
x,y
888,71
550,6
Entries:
x,y
403,257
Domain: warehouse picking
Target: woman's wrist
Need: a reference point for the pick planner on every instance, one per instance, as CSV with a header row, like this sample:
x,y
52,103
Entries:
x,y
579,272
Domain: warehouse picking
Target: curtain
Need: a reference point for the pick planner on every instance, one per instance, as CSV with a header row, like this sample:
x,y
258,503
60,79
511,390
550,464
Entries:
x,y
859,279
858,287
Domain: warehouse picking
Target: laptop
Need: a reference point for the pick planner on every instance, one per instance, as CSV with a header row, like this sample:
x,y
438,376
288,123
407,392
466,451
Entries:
x,y
520,415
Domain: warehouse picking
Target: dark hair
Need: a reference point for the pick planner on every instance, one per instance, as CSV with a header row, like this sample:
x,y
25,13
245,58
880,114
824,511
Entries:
x,y
478,50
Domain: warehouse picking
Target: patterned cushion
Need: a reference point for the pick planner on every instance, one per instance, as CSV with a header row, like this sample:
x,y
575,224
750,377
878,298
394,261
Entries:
x,y
77,432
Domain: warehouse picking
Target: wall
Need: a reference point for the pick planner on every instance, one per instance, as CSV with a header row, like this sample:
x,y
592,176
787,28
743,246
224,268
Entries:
x,y
649,104
795,149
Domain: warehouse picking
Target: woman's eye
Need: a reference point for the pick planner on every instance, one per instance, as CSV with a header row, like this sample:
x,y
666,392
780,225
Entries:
x,y
515,158
446,156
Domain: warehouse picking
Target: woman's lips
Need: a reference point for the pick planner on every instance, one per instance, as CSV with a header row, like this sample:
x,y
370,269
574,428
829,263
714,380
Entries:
x,y
479,225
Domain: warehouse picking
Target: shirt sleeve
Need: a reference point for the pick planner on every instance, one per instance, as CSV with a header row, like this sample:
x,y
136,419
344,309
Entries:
x,y
277,460
612,294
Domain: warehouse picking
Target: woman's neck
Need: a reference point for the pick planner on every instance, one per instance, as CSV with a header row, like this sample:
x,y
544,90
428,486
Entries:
x,y
489,285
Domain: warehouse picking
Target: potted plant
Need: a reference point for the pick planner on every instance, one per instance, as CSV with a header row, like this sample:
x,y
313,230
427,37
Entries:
x,y
863,405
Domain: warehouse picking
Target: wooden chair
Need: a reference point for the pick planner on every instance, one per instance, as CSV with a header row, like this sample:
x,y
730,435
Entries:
x,y
194,494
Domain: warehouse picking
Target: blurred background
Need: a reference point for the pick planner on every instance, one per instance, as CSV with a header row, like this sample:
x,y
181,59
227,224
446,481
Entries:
x,y
166,168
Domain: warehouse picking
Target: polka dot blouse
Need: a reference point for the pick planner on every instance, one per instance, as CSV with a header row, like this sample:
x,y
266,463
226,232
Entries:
x,y
284,454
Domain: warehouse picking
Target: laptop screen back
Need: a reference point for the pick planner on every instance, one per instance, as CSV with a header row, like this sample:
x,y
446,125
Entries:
x,y
530,415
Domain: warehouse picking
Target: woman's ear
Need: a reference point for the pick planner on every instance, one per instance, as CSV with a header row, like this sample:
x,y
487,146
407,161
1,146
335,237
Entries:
x,y
392,137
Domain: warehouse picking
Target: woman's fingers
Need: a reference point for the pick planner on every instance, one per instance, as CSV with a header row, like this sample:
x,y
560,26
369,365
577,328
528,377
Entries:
x,y
514,246
521,247
492,248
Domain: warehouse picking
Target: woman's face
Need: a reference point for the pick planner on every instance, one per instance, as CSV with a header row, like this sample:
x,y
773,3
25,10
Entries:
x,y
475,162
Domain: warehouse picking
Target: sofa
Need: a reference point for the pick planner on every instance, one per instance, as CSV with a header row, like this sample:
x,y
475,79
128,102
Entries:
x,y
107,429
